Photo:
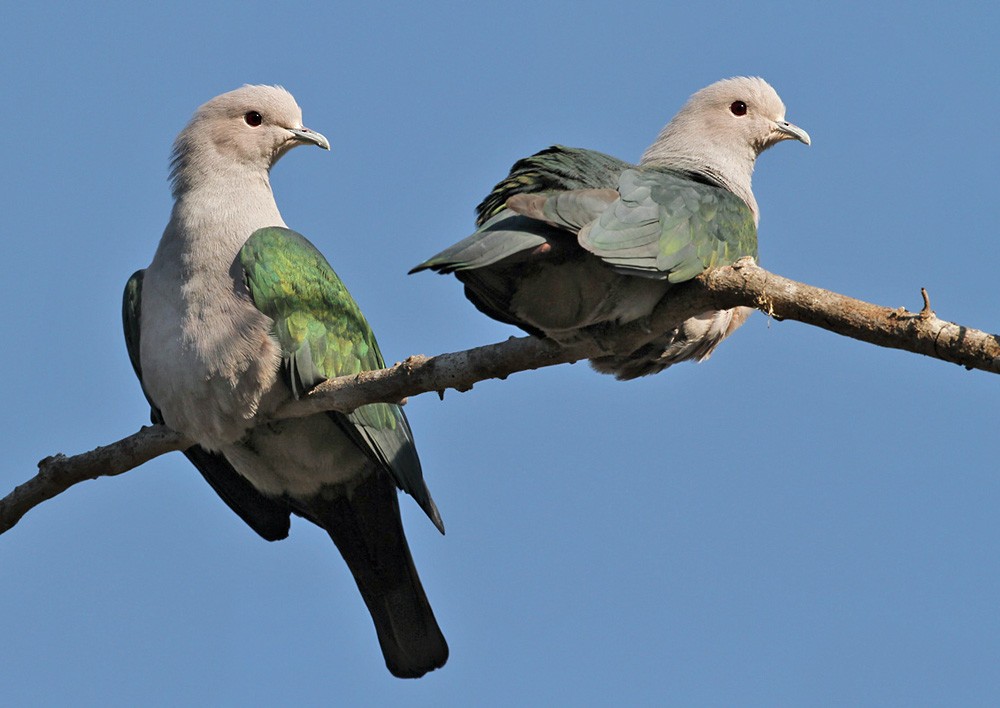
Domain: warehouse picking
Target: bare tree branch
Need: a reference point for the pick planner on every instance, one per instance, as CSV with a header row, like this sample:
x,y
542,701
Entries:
x,y
743,284
918,332
58,473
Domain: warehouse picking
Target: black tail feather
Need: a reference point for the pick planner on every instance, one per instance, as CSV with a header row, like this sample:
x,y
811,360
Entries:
x,y
365,525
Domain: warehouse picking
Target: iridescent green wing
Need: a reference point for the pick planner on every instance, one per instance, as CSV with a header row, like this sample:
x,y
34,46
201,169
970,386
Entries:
x,y
554,169
666,225
323,335
502,233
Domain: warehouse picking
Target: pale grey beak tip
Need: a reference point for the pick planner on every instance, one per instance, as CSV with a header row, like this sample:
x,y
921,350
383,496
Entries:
x,y
792,132
310,136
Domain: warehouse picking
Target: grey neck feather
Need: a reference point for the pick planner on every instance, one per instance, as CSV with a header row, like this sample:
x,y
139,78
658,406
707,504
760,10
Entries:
x,y
681,148
217,196
218,204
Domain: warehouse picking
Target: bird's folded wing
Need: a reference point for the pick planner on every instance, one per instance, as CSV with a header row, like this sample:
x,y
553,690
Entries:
x,y
506,234
556,168
323,334
668,226
570,210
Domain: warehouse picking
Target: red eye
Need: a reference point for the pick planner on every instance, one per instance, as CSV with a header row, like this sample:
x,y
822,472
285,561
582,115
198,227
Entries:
x,y
253,119
738,108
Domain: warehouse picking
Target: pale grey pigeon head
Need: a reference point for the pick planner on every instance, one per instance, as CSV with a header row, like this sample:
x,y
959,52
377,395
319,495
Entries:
x,y
251,127
721,130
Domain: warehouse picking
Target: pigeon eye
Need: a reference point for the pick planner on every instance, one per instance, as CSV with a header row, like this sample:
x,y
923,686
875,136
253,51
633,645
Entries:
x,y
253,119
738,108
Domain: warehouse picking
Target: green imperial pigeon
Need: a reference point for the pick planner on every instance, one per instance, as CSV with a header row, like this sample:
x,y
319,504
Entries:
x,y
236,316
574,238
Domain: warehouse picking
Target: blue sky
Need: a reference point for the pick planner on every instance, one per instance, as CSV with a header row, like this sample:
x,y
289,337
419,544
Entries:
x,y
804,519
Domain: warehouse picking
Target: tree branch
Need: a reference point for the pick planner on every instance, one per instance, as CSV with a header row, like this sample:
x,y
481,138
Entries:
x,y
58,473
918,332
743,284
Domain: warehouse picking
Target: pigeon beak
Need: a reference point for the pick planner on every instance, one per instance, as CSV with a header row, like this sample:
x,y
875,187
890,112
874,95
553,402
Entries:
x,y
787,131
310,136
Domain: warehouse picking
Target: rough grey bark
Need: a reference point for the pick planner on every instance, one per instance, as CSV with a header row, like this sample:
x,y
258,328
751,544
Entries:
x,y
742,284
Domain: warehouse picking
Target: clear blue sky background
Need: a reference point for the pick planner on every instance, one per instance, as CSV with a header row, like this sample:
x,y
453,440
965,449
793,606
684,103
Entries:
x,y
805,519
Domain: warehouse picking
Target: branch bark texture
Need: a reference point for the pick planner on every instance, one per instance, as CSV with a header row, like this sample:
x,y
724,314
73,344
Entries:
x,y
742,284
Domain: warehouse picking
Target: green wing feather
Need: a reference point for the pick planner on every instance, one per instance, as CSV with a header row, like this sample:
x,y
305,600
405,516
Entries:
x,y
556,168
502,233
322,335
319,326
666,225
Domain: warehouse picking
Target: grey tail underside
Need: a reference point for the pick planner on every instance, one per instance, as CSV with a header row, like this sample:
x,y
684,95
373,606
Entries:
x,y
365,525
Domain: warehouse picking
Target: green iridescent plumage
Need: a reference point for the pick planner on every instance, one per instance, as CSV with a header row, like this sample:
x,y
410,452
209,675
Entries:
x,y
323,334
556,168
574,242
564,238
319,326
235,318
667,226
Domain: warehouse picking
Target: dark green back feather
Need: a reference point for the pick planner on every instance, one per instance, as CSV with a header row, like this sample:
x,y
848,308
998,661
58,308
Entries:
x,y
667,224
501,233
556,168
